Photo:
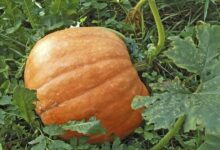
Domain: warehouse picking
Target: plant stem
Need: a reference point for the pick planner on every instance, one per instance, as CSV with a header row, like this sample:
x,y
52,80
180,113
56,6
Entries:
x,y
139,5
116,32
160,28
170,134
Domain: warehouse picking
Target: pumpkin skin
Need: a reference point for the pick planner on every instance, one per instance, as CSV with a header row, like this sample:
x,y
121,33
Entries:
x,y
83,72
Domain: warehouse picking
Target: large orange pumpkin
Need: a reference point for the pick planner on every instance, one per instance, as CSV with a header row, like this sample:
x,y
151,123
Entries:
x,y
83,72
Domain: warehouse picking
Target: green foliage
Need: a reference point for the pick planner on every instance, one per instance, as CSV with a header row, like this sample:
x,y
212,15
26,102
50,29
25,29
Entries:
x,y
2,116
39,143
92,126
201,106
31,11
211,142
59,7
23,99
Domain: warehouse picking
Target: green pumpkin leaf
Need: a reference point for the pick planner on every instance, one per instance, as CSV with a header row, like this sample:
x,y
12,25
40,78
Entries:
x,y
53,130
202,107
197,57
211,142
92,126
59,145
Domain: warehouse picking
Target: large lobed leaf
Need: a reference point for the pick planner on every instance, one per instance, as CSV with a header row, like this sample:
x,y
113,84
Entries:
x,y
202,108
92,126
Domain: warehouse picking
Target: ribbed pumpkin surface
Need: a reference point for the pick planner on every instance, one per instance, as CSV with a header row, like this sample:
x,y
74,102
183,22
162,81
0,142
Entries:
x,y
83,72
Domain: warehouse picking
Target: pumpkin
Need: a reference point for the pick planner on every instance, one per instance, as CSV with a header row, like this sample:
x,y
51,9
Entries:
x,y
83,72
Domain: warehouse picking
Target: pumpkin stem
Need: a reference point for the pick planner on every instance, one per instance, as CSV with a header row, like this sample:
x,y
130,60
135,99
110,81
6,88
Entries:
x,y
116,32
154,51
170,134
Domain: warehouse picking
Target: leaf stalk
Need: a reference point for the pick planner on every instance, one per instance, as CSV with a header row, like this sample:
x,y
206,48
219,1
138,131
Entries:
x,y
153,50
170,134
139,5
159,24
